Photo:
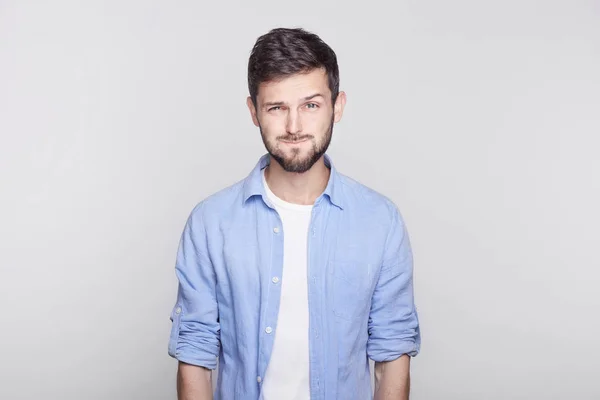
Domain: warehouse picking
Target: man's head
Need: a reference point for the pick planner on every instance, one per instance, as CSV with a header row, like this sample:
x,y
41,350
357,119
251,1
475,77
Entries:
x,y
294,97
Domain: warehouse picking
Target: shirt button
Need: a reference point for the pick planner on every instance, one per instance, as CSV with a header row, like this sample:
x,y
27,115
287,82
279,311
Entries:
x,y
258,379
276,230
178,310
275,279
269,329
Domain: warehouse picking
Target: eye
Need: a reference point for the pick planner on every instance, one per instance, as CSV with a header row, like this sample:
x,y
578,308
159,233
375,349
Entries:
x,y
274,108
312,105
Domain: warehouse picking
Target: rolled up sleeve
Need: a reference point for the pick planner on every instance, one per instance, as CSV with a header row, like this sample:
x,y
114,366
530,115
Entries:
x,y
393,321
195,331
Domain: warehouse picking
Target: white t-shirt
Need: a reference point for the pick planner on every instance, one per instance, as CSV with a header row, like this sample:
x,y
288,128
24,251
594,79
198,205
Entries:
x,y
287,375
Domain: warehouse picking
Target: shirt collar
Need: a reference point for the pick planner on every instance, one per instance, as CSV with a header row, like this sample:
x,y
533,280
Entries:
x,y
253,185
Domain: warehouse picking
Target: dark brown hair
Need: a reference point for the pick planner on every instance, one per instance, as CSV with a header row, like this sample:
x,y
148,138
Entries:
x,y
283,51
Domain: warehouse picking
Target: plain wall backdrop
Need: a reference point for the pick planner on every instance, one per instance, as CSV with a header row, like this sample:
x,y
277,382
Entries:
x,y
481,120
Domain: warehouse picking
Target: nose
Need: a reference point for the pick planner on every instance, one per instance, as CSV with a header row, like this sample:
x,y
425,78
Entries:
x,y
293,124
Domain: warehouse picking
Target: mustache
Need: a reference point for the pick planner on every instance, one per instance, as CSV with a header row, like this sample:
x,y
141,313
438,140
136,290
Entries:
x,y
294,138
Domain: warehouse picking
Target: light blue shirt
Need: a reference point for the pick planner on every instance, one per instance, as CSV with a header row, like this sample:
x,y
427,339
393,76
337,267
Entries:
x,y
360,287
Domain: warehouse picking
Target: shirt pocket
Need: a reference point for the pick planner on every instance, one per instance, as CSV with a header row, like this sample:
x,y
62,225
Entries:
x,y
352,289
240,266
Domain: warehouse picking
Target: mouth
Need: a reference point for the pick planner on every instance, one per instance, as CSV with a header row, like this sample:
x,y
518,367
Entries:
x,y
302,140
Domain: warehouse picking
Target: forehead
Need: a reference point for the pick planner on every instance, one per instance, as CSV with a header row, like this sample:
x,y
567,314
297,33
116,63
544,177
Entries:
x,y
294,87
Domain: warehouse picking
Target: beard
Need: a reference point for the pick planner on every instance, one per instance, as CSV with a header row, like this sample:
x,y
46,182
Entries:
x,y
296,162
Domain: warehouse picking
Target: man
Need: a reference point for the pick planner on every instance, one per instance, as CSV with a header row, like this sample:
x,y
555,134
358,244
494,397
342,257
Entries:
x,y
295,276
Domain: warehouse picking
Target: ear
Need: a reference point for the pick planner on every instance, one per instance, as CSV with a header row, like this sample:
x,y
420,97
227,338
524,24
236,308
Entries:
x,y
252,109
338,107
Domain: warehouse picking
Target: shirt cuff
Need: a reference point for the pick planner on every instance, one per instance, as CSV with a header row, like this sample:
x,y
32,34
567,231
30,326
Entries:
x,y
389,350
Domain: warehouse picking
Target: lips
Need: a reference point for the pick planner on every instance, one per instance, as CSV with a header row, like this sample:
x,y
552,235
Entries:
x,y
300,140
295,141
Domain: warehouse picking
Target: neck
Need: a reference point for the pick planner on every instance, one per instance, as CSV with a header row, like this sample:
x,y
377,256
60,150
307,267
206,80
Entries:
x,y
298,188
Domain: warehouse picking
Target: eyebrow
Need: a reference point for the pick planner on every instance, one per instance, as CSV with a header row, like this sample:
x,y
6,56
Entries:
x,y
312,96
281,103
273,103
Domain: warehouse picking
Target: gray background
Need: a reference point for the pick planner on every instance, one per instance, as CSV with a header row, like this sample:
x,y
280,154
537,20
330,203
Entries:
x,y
479,119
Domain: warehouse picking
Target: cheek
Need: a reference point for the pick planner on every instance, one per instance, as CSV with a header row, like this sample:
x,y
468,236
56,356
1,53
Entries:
x,y
272,126
319,125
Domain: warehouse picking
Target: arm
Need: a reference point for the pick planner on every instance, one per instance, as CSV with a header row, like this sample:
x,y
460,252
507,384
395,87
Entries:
x,y
394,334
193,382
392,379
195,333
